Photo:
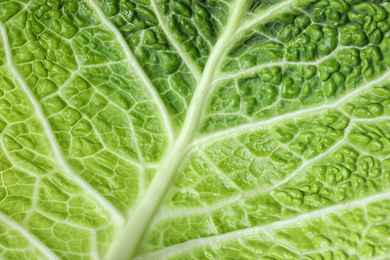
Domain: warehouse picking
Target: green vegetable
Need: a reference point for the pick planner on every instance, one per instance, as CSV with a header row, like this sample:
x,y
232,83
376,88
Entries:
x,y
183,129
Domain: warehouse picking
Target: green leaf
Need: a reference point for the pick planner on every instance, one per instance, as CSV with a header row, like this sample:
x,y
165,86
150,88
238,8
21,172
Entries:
x,y
181,129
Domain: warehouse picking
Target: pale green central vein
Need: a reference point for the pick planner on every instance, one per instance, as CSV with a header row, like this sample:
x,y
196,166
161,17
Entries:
x,y
127,242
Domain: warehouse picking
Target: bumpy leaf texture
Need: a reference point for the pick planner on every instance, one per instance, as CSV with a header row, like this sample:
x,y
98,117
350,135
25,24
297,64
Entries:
x,y
183,129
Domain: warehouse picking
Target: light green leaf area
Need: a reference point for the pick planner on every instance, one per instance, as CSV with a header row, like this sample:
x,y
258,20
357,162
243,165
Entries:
x,y
182,129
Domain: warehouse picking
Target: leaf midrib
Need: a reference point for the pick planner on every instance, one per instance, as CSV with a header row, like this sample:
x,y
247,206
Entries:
x,y
127,242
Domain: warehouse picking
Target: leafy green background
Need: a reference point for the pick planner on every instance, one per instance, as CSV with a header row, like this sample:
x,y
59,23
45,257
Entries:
x,y
183,129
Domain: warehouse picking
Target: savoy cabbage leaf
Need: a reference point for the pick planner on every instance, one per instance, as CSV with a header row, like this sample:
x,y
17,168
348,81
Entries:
x,y
195,129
